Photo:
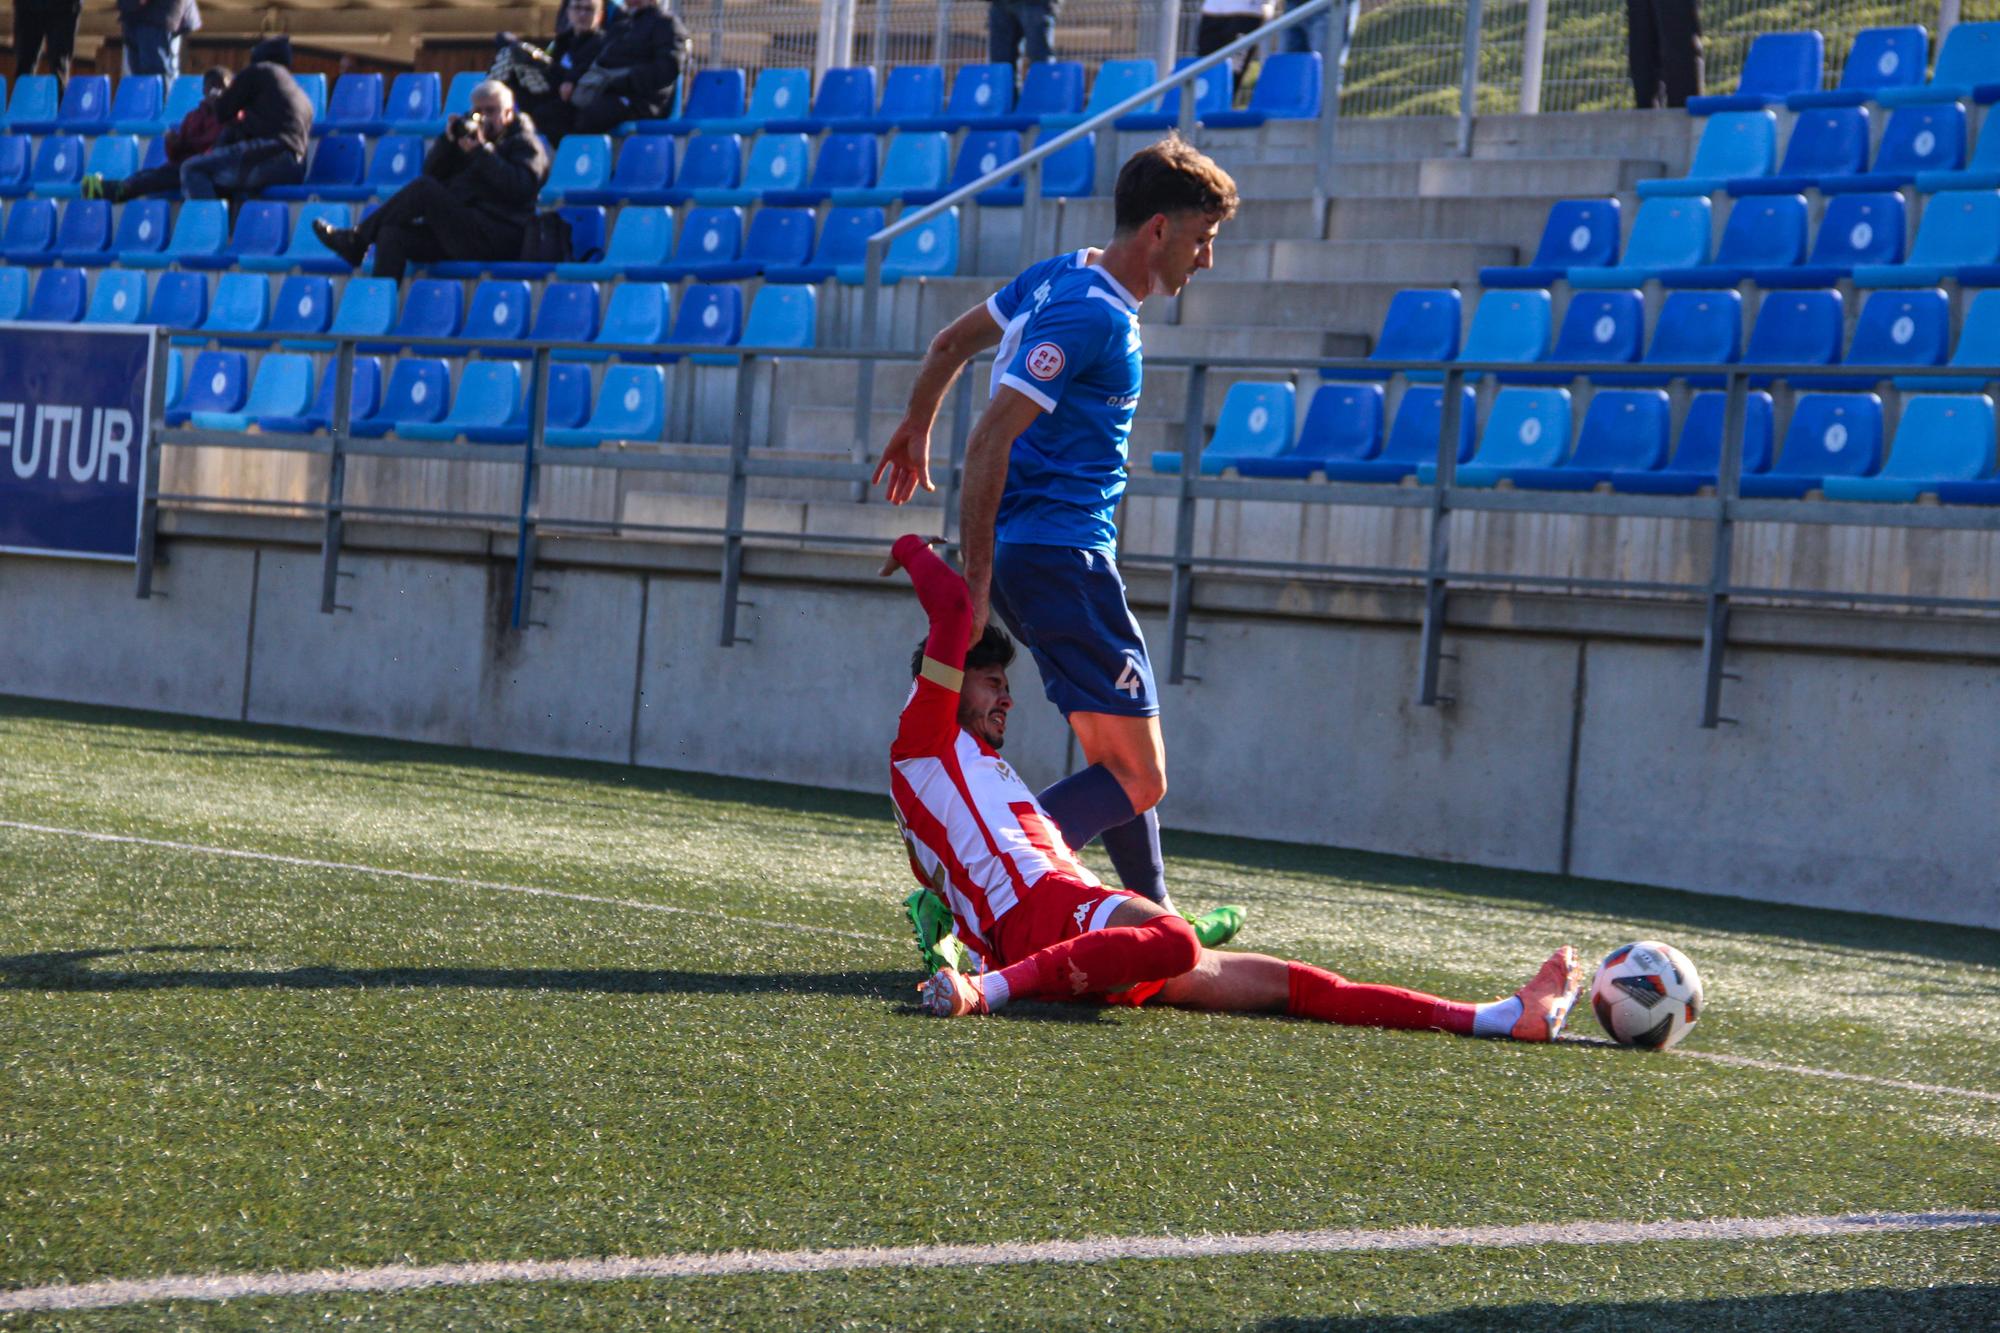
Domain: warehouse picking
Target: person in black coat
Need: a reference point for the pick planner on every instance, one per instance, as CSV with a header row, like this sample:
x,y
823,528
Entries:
x,y
266,124
633,77
46,25
545,79
1664,51
474,201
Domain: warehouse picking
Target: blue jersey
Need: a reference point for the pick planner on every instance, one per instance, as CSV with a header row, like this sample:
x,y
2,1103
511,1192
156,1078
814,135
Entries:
x,y
1012,304
1078,359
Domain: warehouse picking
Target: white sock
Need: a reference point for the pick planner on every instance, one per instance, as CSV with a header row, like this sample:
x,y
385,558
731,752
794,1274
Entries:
x,y
997,991
1496,1019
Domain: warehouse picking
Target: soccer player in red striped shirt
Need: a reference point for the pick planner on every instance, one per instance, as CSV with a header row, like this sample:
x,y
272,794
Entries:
x,y
1047,928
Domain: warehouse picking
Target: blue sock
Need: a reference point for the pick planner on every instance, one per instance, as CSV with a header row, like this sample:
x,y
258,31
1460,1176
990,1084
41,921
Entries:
x,y
1134,847
1086,804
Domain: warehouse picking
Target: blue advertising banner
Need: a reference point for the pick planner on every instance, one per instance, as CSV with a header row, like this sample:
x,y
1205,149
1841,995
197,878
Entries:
x,y
72,439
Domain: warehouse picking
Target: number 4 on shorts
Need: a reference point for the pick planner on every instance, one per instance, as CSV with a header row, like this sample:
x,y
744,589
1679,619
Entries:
x,y
1130,680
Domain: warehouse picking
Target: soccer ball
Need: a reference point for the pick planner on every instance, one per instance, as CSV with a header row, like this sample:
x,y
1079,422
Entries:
x,y
1646,994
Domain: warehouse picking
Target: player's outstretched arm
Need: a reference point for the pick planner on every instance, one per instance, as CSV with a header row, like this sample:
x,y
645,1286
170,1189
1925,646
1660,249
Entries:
x,y
906,460
986,455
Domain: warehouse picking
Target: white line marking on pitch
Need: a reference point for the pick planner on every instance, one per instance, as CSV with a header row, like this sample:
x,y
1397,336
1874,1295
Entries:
x,y
735,1263
1743,1061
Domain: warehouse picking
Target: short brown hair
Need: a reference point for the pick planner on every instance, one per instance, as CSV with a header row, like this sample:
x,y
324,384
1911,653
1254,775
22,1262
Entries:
x,y
1171,176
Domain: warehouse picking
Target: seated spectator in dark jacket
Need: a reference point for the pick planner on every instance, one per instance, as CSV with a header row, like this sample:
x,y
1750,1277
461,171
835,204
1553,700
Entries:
x,y
195,135
474,201
633,77
266,124
543,78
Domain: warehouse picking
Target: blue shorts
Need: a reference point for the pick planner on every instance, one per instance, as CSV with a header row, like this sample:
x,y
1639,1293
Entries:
x,y
1068,608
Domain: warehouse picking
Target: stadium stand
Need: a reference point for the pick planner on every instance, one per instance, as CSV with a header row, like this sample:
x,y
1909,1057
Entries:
x,y
1779,65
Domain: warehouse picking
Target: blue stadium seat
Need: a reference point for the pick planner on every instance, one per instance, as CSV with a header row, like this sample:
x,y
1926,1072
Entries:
x,y
1734,145
568,402
1830,435
636,314
1117,81
846,98
1214,90
119,298
927,251
1981,170
909,93
355,107
283,386
643,175
1288,89
183,96
712,314
1825,145
1763,232
262,227
709,237
338,163
582,162
242,304
777,162
432,308
1896,329
1796,329
140,105
845,162
153,154
30,234
1413,438
1508,326
415,105
1068,173
1598,328
13,292
778,237
179,301
457,101
1255,422
1940,438
1624,430
567,313
643,237
1343,424
398,160
1958,237
1968,68
1694,328
1525,428
303,305
367,309
112,156
499,313
916,164
1880,58
1978,346
364,400
1856,229
34,107
1696,462
843,239
980,152
1579,233
709,162
303,252
59,296
16,161
1778,65
58,163
83,238
782,314
1050,88
713,95
1421,324
314,87
980,94
86,105
1668,234
419,389
631,405
1919,140
217,382
487,409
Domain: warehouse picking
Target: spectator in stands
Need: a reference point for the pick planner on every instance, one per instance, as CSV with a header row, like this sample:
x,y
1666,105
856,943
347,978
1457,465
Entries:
x,y
1014,24
545,78
195,135
1223,21
1664,50
46,25
266,124
475,200
1307,36
632,78
152,30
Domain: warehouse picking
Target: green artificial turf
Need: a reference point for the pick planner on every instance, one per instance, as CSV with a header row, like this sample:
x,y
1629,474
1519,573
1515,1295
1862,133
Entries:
x,y
214,1064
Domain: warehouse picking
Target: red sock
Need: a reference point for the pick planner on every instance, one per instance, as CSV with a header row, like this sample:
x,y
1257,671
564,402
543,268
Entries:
x,y
1332,998
1099,961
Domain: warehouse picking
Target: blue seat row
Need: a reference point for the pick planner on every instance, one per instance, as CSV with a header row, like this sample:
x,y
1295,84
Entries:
x,y
140,105
1885,66
1922,145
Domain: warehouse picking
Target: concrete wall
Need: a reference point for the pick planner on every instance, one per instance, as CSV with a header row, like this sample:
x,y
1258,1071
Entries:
x,y
1857,777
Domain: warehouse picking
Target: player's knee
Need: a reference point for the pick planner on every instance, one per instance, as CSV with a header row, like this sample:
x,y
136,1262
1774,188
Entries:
x,y
1179,948
1144,786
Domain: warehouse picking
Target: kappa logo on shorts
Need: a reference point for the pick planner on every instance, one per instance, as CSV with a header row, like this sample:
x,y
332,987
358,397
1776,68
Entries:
x,y
1045,361
1083,915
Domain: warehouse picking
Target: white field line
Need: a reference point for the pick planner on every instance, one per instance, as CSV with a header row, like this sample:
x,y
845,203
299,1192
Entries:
x,y
737,1263
1742,1061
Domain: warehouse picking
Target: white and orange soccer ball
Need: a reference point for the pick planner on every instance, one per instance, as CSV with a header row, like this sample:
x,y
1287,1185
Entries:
x,y
1646,994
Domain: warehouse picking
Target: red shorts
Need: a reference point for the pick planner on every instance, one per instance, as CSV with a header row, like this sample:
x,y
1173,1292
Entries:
x,y
1057,908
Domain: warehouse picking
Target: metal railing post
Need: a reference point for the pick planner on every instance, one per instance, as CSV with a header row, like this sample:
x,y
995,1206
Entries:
x,y
531,466
1468,88
1715,627
1531,57
1334,65
878,57
336,478
1437,566
864,389
1180,600
1169,48
941,42
739,491
149,468
823,39
1947,17
961,429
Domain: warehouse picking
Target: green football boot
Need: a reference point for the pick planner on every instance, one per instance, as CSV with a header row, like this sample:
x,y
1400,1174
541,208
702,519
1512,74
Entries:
x,y
1217,926
931,923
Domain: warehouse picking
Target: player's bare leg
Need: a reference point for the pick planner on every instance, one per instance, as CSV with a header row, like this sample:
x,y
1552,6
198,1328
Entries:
x,y
1132,748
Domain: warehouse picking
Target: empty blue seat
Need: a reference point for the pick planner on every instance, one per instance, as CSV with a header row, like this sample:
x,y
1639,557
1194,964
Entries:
x,y
1579,233
419,389
1509,326
34,108
845,162
83,237
338,163
59,296
1980,172
1288,89
487,408
13,291
1117,81
1694,328
16,162
780,237
303,305
1940,438
1255,422
1214,90
303,251
1778,65
909,93
846,98
179,301
242,304
643,174
1958,237
710,238
58,163
283,387
929,250
980,94
153,154
415,104
1525,428
1343,423
1697,461
643,237
499,312
1919,140
1828,144
367,308
782,315
433,308
457,101
1669,233
1624,430
216,382
1068,173
1421,324
364,400
398,160
314,87
1898,329
183,95
1734,145
777,162
915,165
631,405
713,95
30,234
568,404
1856,229
112,156
582,162
1881,58
1830,435
1968,68
262,228
710,162
139,105
1978,346
1764,232
1796,329
1050,88
636,314
979,153
1414,437
1598,328
567,313
710,314
843,240
119,298
356,106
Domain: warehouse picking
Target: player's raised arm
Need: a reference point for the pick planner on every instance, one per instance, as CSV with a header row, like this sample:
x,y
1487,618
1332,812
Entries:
x,y
906,460
930,717
986,455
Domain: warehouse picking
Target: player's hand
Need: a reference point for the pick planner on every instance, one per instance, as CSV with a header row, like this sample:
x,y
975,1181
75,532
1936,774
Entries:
x,y
892,564
906,460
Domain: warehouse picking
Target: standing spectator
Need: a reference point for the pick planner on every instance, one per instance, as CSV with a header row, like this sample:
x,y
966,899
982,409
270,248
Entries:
x,y
266,124
632,78
544,78
1013,24
1664,49
1307,36
152,30
474,201
50,25
1223,21
195,135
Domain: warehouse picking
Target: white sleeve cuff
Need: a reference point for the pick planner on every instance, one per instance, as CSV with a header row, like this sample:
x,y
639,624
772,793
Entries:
x,y
993,311
1029,391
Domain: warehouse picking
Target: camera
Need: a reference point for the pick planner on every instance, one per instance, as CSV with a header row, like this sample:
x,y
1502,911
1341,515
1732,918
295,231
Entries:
x,y
467,123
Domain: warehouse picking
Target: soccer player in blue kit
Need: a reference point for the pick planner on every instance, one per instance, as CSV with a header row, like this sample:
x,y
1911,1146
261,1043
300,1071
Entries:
x,y
1044,471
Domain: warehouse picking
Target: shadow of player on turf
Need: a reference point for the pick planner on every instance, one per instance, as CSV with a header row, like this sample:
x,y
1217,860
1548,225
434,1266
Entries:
x,y
1958,1307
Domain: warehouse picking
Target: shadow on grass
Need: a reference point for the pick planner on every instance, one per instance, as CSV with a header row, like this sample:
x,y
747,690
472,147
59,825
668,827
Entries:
x,y
1905,1310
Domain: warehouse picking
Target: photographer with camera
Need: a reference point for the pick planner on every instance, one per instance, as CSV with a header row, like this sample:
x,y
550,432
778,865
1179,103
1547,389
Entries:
x,y
545,78
475,200
632,78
